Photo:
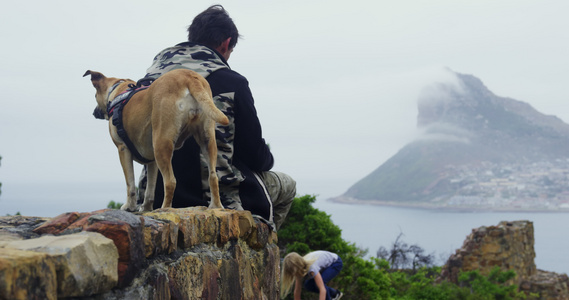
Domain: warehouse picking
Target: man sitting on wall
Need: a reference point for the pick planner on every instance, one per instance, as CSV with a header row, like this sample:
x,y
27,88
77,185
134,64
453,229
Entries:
x,y
244,159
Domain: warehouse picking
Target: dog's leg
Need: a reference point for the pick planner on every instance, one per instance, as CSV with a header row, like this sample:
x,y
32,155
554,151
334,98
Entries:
x,y
126,162
151,175
209,149
163,150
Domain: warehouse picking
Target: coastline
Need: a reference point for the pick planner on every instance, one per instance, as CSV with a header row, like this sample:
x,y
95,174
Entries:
x,y
424,206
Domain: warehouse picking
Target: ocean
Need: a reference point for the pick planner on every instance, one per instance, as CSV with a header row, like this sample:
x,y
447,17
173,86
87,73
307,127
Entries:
x,y
443,232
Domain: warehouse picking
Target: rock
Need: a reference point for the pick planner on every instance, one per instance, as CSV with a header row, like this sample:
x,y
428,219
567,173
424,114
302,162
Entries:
x,y
86,262
124,228
27,275
59,223
201,225
19,227
228,225
509,246
189,253
195,276
548,285
160,237
246,223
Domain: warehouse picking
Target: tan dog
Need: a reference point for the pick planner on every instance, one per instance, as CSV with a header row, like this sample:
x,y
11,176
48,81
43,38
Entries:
x,y
158,120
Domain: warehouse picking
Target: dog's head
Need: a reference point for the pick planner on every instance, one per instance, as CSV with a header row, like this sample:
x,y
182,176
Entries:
x,y
105,88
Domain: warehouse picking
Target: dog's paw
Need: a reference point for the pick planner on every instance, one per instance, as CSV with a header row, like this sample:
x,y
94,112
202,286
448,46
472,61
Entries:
x,y
213,206
145,207
129,208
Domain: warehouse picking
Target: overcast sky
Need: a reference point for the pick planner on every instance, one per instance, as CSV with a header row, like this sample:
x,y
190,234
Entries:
x,y
335,82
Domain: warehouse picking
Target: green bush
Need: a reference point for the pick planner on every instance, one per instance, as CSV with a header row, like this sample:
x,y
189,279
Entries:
x,y
307,228
493,286
420,285
114,205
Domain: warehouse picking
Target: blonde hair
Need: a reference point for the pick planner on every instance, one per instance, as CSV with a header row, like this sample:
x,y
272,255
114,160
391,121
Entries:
x,y
294,266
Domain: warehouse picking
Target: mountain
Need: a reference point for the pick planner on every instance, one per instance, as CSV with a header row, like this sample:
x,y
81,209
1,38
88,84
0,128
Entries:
x,y
476,150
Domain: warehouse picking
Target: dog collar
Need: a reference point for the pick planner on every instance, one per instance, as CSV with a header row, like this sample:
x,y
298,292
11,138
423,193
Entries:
x,y
114,87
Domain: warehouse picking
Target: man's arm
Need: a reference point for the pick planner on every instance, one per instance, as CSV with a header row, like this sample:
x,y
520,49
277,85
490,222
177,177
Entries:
x,y
250,147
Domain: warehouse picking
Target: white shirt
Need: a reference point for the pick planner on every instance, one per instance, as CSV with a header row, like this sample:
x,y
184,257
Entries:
x,y
323,259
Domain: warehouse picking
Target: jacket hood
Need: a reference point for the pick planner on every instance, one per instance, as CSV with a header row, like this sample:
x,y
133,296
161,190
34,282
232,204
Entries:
x,y
198,58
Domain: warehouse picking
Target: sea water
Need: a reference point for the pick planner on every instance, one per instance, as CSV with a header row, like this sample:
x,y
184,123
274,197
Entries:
x,y
443,232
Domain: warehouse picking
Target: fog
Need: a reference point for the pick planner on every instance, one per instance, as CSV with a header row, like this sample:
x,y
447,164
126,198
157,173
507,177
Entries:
x,y
335,83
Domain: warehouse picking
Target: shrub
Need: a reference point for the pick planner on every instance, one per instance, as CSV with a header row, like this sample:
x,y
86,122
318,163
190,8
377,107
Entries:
x,y
114,205
493,286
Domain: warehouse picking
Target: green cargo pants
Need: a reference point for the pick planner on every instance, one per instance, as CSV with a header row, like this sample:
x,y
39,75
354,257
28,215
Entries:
x,y
280,187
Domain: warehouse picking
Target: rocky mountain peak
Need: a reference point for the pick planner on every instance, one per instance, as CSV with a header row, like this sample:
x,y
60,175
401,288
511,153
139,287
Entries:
x,y
469,104
474,144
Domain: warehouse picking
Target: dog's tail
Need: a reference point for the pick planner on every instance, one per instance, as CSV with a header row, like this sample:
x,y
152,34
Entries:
x,y
208,107
201,91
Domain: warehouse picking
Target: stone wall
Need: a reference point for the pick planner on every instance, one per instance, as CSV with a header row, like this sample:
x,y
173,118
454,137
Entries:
x,y
190,253
509,246
196,253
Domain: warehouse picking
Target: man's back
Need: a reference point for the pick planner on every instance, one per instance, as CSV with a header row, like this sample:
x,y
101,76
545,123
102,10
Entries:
x,y
244,159
242,151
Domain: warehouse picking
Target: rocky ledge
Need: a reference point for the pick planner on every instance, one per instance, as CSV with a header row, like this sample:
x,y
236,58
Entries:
x,y
189,253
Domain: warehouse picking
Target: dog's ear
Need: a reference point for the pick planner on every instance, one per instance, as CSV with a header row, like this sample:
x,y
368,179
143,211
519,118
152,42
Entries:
x,y
95,76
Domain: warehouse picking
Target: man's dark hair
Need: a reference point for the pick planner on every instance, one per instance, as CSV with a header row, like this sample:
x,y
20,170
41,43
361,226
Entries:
x,y
212,27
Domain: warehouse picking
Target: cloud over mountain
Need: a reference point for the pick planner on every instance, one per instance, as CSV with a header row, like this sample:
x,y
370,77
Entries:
x,y
464,127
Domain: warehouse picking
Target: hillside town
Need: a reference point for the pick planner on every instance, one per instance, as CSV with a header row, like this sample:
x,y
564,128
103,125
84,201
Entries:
x,y
535,186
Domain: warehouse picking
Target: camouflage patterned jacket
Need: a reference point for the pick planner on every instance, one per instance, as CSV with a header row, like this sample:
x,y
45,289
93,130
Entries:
x,y
242,151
